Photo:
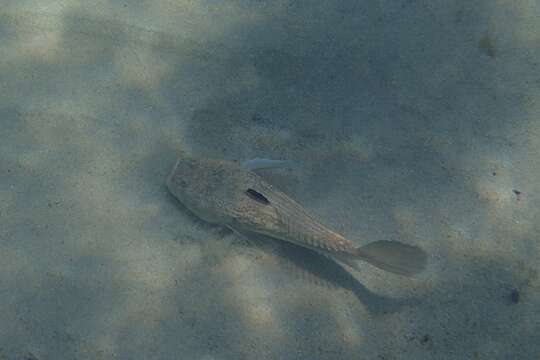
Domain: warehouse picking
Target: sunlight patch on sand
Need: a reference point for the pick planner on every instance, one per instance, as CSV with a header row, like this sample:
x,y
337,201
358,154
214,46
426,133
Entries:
x,y
352,334
250,293
37,37
407,221
141,68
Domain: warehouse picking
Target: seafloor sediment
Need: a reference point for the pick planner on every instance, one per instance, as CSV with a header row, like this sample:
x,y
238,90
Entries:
x,y
410,120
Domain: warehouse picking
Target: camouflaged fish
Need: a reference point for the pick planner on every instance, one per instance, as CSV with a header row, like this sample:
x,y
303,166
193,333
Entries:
x,y
228,194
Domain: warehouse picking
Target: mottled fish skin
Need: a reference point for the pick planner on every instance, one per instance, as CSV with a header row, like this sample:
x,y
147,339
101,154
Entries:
x,y
215,190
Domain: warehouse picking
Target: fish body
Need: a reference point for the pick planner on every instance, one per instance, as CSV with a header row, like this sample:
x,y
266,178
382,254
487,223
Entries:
x,y
225,193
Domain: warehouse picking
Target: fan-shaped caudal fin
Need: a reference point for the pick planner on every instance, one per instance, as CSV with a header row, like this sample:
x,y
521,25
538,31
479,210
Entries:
x,y
394,257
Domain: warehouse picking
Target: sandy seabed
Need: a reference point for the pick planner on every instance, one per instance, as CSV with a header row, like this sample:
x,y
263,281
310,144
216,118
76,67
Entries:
x,y
411,120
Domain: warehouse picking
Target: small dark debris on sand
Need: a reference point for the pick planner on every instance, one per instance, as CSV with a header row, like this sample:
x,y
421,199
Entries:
x,y
514,296
486,46
425,339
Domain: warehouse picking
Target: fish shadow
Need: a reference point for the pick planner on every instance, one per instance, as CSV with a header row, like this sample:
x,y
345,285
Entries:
x,y
321,270
311,266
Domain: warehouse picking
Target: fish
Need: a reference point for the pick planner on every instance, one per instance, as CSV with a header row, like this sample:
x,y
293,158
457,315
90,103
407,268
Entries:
x,y
225,193
263,163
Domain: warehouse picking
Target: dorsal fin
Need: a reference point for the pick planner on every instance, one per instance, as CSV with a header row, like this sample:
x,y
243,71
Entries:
x,y
255,195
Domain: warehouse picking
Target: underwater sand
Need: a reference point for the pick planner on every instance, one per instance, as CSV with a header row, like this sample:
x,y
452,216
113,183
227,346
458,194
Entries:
x,y
412,120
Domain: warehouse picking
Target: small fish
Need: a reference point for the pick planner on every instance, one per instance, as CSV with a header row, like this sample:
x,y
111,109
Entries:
x,y
227,194
260,163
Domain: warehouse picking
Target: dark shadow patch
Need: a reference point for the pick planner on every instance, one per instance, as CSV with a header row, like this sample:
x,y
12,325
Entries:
x,y
319,270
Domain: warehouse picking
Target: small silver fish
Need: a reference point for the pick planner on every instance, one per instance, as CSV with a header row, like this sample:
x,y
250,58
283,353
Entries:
x,y
225,193
260,163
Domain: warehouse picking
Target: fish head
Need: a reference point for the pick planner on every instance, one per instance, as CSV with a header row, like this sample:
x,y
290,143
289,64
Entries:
x,y
182,180
202,186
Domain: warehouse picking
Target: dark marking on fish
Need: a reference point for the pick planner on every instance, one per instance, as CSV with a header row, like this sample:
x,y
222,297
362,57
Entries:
x,y
255,195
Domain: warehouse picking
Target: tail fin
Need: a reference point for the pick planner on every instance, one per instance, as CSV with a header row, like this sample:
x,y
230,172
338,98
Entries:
x,y
394,257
